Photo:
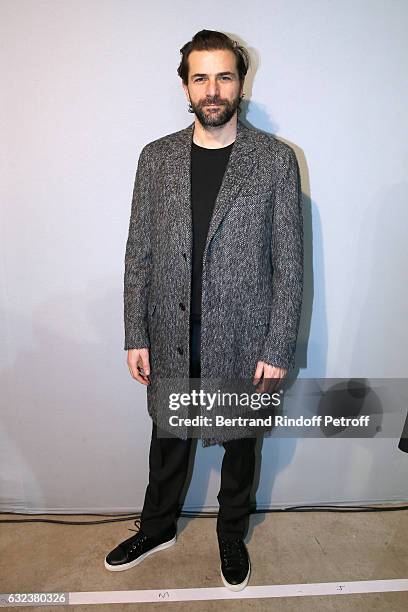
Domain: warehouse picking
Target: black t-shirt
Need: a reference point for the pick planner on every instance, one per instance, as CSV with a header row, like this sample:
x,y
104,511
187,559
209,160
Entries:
x,y
207,171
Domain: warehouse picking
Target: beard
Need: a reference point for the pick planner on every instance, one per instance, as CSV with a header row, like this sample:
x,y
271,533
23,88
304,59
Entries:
x,y
212,116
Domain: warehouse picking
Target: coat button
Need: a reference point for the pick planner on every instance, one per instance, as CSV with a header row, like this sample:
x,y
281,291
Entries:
x,y
180,350
182,306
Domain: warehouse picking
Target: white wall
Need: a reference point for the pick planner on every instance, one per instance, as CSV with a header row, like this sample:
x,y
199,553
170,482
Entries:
x,y
85,84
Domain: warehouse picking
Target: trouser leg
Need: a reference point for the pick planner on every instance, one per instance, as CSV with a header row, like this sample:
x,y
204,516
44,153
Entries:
x,y
237,475
168,466
237,471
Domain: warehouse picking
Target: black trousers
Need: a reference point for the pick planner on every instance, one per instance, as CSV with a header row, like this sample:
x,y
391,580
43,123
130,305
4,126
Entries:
x,y
168,465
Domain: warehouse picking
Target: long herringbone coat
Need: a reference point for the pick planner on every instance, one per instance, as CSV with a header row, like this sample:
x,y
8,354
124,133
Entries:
x,y
252,280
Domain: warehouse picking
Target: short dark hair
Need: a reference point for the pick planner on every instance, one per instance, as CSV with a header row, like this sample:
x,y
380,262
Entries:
x,y
210,40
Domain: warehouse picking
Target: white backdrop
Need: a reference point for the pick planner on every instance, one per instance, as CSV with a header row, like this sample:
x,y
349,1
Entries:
x,y
85,84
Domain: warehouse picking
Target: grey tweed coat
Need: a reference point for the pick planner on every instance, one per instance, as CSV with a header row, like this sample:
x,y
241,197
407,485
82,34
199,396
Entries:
x,y
252,280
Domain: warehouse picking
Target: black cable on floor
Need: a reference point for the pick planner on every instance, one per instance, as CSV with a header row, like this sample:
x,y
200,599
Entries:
x,y
128,517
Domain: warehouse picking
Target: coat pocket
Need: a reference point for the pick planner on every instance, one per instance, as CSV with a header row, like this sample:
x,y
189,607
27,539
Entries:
x,y
254,195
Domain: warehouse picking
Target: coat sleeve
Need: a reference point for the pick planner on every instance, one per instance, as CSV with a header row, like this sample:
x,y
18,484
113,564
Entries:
x,y
287,260
138,260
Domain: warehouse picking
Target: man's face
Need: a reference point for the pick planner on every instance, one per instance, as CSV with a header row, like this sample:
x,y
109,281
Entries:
x,y
213,86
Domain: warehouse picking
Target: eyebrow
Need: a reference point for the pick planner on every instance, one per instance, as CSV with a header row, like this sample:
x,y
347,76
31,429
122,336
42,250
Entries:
x,y
199,74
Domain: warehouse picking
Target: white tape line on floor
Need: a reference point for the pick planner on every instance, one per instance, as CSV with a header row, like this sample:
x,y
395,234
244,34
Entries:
x,y
250,592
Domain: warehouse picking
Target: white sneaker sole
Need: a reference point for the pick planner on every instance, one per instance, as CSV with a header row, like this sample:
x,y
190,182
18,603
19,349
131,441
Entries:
x,y
125,566
241,585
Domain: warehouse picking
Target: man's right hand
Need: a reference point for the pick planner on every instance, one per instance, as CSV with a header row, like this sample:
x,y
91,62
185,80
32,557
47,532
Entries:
x,y
138,364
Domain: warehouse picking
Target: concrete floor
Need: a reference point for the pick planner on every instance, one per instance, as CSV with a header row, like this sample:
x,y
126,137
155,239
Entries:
x,y
285,548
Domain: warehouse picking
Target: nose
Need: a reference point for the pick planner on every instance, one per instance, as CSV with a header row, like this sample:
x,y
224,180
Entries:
x,y
213,88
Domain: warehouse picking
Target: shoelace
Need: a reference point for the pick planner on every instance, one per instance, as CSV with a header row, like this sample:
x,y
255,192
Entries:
x,y
139,540
232,551
137,524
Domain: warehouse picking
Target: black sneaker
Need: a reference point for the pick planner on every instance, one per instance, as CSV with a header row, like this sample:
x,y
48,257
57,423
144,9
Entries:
x,y
132,551
235,564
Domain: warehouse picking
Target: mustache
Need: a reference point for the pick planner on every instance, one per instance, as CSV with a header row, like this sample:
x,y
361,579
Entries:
x,y
217,101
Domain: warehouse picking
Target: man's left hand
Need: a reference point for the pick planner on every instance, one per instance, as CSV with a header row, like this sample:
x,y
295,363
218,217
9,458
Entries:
x,y
267,372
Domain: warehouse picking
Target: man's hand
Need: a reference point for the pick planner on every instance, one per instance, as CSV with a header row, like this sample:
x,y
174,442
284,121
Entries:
x,y
268,372
138,364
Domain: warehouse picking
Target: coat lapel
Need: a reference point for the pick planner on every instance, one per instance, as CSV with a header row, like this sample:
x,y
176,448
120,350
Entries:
x,y
239,167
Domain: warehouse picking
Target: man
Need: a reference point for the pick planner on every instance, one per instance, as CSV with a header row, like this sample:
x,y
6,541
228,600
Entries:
x,y
213,284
